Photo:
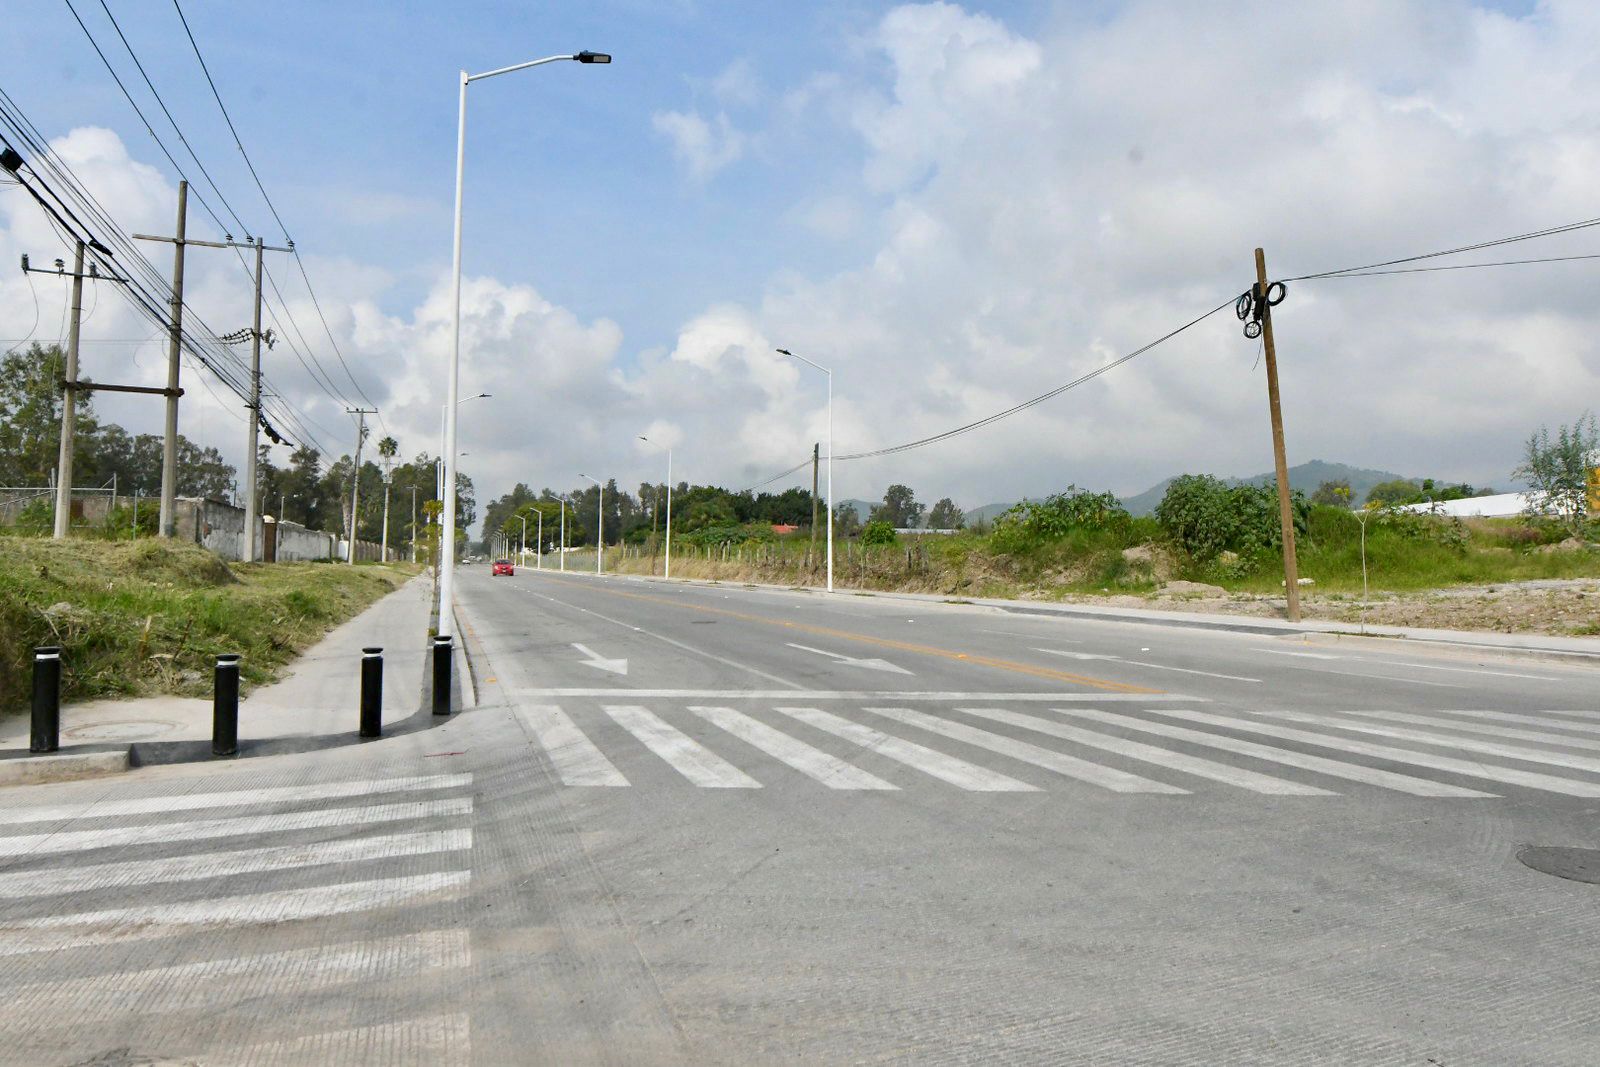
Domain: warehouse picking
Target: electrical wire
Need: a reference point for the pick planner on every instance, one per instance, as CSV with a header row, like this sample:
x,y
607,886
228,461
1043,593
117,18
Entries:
x,y
781,474
1495,243
29,279
1041,398
1455,266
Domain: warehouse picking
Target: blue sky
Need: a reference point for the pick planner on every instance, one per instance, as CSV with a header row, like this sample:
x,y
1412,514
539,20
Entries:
x,y
957,206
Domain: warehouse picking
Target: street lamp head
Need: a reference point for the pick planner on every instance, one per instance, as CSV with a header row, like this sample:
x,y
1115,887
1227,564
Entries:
x,y
592,57
785,351
643,438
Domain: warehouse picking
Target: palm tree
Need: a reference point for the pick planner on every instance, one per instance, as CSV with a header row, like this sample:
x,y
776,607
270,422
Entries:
x,y
387,448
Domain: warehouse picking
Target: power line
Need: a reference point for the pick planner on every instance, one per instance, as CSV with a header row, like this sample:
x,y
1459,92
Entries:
x,y
1456,266
1041,398
299,262
781,474
1496,242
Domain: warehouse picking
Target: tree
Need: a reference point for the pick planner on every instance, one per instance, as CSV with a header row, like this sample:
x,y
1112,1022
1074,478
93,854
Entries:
x,y
1334,493
899,508
946,516
1399,491
1558,472
877,532
846,520
30,415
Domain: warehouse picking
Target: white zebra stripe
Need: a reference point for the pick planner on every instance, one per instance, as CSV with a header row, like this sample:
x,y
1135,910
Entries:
x,y
957,772
687,756
577,761
831,771
1433,737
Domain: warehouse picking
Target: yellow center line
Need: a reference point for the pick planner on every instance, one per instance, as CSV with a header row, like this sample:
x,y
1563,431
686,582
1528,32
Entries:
x,y
885,642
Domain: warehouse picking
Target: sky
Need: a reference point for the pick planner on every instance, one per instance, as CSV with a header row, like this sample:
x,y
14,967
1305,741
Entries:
x,y
955,207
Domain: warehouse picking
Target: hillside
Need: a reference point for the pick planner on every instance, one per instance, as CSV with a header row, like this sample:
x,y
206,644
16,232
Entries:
x,y
1306,477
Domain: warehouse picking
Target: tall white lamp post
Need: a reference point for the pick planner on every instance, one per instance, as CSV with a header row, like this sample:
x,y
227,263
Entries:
x,y
447,570
829,373
647,441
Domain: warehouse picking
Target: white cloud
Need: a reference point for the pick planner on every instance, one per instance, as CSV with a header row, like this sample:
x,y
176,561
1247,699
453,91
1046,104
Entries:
x,y
703,147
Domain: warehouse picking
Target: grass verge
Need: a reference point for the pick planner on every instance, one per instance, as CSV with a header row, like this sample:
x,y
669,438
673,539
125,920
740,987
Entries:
x,y
146,617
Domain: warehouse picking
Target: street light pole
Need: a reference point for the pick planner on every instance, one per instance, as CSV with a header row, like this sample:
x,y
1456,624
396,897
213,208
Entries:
x,y
447,570
524,519
562,557
669,504
829,373
538,556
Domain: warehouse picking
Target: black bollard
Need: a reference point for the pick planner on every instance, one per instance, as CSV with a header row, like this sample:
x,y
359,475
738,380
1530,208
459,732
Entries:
x,y
225,707
441,675
372,692
45,733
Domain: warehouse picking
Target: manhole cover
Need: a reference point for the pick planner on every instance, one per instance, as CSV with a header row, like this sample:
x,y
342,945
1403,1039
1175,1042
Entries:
x,y
125,730
1577,864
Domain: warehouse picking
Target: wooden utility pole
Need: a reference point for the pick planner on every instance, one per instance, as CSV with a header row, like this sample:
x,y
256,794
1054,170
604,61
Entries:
x,y
816,455
1291,570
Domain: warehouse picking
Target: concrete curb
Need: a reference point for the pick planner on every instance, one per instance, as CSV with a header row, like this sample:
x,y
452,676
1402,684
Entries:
x,y
1529,646
63,767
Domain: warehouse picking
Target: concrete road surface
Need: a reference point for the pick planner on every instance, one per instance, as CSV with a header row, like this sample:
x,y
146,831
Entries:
x,y
711,824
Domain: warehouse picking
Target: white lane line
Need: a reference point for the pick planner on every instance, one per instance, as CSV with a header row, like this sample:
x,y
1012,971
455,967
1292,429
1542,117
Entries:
x,y
164,833
233,798
194,986
1529,719
1203,768
1376,677
792,686
15,884
1465,670
57,932
1144,663
1070,766
848,694
1355,772
1433,737
437,1041
1471,768
851,661
1019,633
687,756
1302,655
831,771
1543,736
957,772
577,761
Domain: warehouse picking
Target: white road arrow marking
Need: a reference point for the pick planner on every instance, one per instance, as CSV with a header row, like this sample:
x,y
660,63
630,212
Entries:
x,y
615,666
869,664
1074,655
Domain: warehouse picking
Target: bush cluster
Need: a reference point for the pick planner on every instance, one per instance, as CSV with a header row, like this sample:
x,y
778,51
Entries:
x,y
1035,522
1205,516
877,532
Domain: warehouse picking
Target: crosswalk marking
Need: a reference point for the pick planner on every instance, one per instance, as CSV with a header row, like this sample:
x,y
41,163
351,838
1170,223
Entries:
x,y
1487,730
234,798
57,932
435,1041
1427,737
1071,766
81,879
194,986
239,828
576,759
1204,768
1470,768
1534,719
1354,772
686,755
831,771
946,768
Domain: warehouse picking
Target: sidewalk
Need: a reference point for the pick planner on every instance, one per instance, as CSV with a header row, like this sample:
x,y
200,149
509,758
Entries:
x,y
316,705
1546,646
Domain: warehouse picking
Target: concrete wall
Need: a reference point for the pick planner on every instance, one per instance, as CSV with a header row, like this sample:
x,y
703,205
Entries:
x,y
296,543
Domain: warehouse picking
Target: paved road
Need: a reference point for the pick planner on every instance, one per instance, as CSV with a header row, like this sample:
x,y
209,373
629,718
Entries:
x,y
706,824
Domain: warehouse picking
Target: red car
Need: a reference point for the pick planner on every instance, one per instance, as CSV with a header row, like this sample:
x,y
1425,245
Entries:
x,y
502,566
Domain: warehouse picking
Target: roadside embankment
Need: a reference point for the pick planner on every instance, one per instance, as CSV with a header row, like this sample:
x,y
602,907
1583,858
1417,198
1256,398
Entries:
x,y
147,617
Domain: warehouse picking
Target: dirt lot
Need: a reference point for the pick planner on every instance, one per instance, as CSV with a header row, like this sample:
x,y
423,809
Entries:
x,y
1566,607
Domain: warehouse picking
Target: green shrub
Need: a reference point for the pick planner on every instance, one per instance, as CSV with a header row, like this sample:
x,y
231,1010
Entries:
x,y
1205,516
878,533
1035,522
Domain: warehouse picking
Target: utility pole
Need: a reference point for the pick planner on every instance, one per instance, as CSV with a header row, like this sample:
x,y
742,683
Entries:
x,y
816,459
166,525
69,402
385,556
169,453
1291,570
355,478
413,524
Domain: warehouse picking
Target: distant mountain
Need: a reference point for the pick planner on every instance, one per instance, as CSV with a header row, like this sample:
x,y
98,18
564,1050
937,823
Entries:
x,y
1306,477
